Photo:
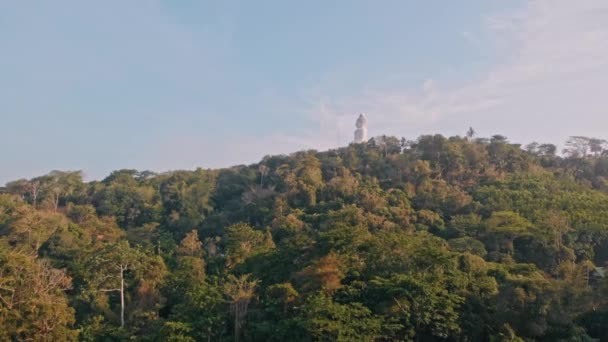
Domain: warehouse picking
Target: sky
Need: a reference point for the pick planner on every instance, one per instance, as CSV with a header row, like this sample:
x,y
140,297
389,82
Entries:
x,y
165,85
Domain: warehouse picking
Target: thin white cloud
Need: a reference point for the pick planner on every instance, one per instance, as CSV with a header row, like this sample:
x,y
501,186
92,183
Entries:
x,y
549,84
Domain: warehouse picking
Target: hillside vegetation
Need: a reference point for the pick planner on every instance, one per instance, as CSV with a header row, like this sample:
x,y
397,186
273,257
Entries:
x,y
437,239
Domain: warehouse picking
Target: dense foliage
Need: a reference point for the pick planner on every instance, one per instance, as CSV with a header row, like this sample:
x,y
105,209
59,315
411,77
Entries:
x,y
438,239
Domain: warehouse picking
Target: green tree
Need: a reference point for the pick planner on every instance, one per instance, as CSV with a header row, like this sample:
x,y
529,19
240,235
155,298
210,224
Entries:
x,y
505,226
112,264
33,301
325,320
239,291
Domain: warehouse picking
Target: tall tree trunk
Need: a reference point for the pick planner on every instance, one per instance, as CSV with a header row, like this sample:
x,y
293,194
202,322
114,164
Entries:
x,y
236,324
122,297
56,201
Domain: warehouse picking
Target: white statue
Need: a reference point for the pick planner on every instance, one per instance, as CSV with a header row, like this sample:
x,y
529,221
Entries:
x,y
361,131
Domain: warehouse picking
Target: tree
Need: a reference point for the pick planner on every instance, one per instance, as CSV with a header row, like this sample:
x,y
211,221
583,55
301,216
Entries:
x,y
28,190
191,245
325,320
111,265
532,147
57,185
31,228
324,274
423,307
176,332
579,147
597,146
470,133
498,139
445,238
33,303
242,241
547,149
239,291
504,227
200,311
263,172
557,224
468,244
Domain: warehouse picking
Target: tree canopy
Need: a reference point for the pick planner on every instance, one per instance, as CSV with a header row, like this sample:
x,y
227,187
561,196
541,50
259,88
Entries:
x,y
433,239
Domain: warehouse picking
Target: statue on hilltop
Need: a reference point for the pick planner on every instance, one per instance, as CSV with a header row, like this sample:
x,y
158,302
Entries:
x,y
361,131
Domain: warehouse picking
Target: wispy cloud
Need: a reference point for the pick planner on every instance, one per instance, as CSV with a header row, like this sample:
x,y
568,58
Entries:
x,y
549,83
107,68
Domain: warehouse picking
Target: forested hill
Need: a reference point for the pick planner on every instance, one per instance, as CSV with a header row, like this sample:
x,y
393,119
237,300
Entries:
x,y
437,239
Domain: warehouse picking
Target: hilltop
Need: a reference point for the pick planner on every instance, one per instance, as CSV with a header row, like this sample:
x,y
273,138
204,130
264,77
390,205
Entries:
x,y
436,239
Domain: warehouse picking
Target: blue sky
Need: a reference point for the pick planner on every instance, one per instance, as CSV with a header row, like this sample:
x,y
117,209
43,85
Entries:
x,y
163,85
